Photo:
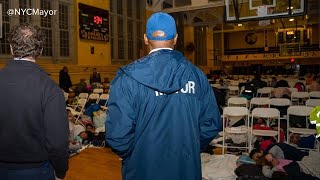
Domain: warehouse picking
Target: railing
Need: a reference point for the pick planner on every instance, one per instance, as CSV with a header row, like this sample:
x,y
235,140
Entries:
x,y
314,47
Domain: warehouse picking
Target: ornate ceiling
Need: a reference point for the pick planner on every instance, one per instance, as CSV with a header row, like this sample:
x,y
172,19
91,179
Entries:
x,y
211,13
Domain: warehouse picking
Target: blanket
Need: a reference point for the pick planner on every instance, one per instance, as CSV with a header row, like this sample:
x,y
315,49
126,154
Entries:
x,y
311,164
218,167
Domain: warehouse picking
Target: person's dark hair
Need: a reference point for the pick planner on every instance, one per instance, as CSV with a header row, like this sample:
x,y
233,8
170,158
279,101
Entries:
x,y
87,125
282,83
263,162
90,135
257,76
26,40
253,151
65,69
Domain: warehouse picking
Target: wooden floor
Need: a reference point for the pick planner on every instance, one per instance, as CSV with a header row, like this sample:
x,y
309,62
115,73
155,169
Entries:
x,y
94,164
97,164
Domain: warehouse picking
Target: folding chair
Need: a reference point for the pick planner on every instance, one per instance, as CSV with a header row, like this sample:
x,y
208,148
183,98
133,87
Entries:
x,y
302,111
314,94
282,104
78,109
238,101
97,91
80,96
296,96
229,112
307,88
83,96
242,89
104,97
269,113
313,102
264,92
233,90
262,101
293,90
94,98
234,83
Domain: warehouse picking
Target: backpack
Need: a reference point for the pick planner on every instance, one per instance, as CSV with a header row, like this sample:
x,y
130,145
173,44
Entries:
x,y
90,109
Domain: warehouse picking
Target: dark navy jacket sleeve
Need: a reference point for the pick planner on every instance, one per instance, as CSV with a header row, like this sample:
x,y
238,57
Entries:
x,y
120,117
210,120
57,133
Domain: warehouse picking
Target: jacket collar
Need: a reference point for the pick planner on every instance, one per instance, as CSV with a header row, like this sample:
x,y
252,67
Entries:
x,y
19,63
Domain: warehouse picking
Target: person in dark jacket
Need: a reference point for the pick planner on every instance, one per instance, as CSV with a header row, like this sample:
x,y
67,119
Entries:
x,y
257,83
95,76
279,151
162,111
34,126
64,79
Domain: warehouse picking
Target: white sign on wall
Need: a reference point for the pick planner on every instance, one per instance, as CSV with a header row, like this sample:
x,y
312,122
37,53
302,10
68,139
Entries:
x,y
0,20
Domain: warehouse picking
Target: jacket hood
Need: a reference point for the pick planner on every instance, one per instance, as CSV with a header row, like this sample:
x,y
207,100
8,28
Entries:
x,y
165,71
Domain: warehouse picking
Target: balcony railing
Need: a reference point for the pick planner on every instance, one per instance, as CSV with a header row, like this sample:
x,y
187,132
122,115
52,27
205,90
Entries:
x,y
314,47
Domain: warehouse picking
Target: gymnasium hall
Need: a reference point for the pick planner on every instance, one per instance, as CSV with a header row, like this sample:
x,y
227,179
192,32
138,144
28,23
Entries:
x,y
261,59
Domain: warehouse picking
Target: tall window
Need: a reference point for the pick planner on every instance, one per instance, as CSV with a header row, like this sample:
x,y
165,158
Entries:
x,y
129,8
126,29
200,46
24,4
120,38
46,25
57,28
217,49
64,30
119,7
130,40
4,45
180,30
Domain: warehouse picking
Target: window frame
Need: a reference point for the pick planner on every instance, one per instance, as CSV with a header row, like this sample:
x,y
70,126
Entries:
x,y
55,36
126,31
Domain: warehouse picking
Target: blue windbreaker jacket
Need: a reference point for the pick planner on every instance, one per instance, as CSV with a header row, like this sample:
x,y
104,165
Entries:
x,y
161,113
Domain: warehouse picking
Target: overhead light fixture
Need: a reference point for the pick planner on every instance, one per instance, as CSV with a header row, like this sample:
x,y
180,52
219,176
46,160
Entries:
x,y
290,7
291,19
239,24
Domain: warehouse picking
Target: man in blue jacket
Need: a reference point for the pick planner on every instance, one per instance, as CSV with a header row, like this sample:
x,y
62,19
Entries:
x,y
162,111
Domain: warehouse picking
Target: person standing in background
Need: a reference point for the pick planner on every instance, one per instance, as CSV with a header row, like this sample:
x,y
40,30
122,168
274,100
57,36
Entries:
x,y
34,126
95,76
64,79
162,112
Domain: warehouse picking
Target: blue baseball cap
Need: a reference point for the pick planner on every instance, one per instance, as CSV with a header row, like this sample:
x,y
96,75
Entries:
x,y
161,27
